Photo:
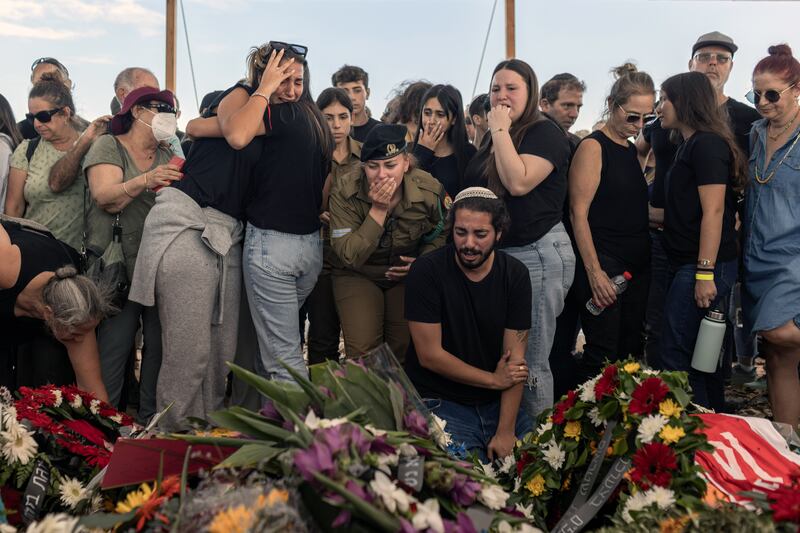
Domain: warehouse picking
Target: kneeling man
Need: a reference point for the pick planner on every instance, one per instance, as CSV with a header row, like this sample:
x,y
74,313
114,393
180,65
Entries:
x,y
468,309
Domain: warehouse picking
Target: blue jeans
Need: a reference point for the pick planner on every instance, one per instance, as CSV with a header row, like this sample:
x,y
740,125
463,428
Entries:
x,y
682,320
280,270
474,425
551,265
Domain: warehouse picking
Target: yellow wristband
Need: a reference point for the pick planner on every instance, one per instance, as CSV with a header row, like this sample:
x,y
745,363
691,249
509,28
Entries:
x,y
704,276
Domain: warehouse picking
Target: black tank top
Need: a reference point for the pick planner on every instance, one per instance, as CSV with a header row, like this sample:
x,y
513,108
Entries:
x,y
618,216
40,252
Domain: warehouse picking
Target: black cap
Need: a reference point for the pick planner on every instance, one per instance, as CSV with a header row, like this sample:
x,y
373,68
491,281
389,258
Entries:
x,y
384,141
715,38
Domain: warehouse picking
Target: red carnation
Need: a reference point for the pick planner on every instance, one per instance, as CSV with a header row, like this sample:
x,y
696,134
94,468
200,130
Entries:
x,y
647,396
653,465
607,382
524,460
563,406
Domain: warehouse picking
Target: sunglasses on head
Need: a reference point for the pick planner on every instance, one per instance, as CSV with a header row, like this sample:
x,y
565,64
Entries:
x,y
634,118
770,95
43,116
298,49
705,57
161,107
50,61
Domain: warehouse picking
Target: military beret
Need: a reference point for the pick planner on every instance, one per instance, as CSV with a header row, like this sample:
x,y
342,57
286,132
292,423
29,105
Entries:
x,y
383,142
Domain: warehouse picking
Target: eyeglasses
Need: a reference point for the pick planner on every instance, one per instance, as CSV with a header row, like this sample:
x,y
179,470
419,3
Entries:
x,y
43,116
771,95
50,61
386,238
298,49
161,107
634,118
705,57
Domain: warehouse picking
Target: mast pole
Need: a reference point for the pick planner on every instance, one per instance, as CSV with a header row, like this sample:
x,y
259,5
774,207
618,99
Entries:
x,y
170,60
510,30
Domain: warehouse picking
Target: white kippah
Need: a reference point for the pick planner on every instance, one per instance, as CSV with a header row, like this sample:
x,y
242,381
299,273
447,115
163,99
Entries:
x,y
475,192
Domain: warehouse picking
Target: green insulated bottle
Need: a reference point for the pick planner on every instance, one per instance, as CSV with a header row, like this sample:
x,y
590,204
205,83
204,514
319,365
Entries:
x,y
709,342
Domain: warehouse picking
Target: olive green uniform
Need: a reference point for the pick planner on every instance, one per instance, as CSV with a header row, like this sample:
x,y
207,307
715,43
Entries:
x,y
370,305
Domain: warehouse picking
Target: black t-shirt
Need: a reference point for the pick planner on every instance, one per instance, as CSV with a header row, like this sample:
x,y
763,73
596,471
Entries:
x,y
664,151
27,129
360,133
741,118
215,175
618,214
288,181
535,213
473,316
444,169
704,159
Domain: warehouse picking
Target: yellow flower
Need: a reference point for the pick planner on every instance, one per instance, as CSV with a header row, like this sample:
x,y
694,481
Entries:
x,y
275,497
572,430
669,408
536,485
671,434
630,368
237,519
567,482
135,499
674,525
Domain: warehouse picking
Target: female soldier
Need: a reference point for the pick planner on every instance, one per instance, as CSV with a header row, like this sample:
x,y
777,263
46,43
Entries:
x,y
382,217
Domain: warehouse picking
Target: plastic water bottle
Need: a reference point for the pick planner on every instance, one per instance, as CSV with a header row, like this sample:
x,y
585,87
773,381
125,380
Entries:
x,y
709,342
620,284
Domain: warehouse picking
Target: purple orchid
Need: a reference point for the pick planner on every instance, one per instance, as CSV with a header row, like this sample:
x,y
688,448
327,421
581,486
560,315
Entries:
x,y
358,490
462,524
406,527
317,458
465,491
381,445
269,411
334,438
416,424
342,519
359,440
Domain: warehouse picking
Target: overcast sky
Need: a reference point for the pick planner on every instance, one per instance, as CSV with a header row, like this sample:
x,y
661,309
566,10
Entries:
x,y
394,40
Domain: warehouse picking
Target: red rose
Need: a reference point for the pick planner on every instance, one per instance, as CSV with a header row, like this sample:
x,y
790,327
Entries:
x,y
607,382
563,406
524,460
647,396
653,465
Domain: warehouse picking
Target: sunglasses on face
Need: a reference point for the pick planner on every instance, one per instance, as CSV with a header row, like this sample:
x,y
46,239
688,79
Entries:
x,y
634,118
161,107
43,116
705,57
49,61
770,95
298,49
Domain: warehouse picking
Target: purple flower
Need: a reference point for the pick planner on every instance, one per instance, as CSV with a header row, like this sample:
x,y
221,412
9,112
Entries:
x,y
359,440
416,424
269,411
317,458
465,490
463,524
358,490
381,446
342,519
406,527
333,439
326,391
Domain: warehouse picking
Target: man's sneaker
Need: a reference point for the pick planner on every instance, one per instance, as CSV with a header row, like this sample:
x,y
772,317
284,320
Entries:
x,y
740,376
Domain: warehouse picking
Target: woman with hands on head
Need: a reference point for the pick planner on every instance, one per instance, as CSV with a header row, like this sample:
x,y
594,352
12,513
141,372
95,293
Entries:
x,y
441,146
699,223
124,170
525,162
608,204
383,216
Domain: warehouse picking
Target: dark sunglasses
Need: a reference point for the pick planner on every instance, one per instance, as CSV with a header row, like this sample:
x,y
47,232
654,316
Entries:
x,y
634,118
386,238
50,61
161,107
298,49
43,116
771,95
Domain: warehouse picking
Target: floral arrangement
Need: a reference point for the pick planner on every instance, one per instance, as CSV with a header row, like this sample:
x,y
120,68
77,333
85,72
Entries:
x,y
53,441
638,421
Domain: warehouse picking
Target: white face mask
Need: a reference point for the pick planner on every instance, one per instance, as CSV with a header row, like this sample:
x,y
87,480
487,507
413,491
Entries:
x,y
164,125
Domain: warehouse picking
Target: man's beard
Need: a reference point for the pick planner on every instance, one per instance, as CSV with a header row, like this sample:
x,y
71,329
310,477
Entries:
x,y
474,265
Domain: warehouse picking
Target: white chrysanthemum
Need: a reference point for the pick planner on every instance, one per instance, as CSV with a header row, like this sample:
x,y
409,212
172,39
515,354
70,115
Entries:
x,y
554,455
18,445
587,393
650,427
650,372
542,429
428,516
9,417
507,465
407,450
488,470
594,416
54,523
59,397
635,502
77,402
96,503
661,496
94,406
71,492
492,496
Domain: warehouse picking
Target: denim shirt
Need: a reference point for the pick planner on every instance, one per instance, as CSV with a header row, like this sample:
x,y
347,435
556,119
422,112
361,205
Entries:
x,y
772,231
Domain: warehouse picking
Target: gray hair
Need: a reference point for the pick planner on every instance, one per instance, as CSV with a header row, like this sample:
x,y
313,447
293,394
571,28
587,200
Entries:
x,y
74,300
126,77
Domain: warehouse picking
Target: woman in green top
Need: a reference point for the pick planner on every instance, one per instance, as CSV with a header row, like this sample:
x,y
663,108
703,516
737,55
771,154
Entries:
x,y
31,193
123,169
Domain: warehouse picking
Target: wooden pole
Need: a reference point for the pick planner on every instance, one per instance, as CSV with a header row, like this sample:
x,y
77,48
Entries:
x,y
170,63
510,30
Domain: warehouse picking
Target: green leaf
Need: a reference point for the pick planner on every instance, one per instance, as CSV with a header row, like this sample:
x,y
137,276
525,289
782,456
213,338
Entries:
x,y
218,441
681,396
288,394
260,429
310,389
396,398
250,455
608,410
302,430
106,520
